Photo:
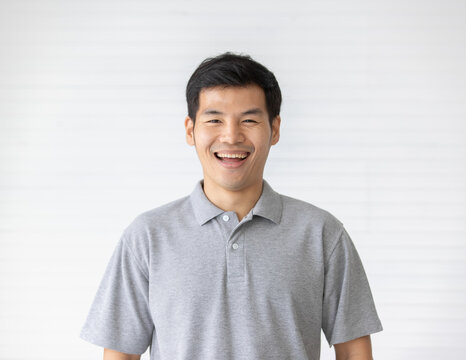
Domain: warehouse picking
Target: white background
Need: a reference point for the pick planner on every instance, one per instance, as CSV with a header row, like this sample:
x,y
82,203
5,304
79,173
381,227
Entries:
x,y
91,134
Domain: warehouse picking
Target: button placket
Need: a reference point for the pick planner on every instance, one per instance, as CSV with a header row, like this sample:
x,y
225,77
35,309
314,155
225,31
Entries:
x,y
235,258
234,246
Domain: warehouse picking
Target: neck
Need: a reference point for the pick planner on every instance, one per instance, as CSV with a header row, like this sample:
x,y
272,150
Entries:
x,y
239,201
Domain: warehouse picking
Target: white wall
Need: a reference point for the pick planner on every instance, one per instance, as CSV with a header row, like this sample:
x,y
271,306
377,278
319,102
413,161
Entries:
x,y
91,134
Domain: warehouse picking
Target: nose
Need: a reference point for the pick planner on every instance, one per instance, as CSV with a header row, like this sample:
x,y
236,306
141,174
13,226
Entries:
x,y
232,133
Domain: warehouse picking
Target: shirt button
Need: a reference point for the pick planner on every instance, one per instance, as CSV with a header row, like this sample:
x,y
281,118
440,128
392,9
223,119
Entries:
x,y
235,246
225,218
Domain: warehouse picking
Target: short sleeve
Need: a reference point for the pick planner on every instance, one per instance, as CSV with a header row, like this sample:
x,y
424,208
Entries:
x,y
119,317
348,307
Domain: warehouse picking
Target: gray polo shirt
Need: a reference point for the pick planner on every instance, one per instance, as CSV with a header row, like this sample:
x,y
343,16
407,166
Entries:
x,y
195,283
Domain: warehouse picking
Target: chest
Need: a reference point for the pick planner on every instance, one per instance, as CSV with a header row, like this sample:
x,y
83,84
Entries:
x,y
250,264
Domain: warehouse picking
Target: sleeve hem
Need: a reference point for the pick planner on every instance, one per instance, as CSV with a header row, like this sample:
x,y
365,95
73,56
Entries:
x,y
84,335
345,338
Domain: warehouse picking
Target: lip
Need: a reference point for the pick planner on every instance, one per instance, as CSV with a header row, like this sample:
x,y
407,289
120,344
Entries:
x,y
231,164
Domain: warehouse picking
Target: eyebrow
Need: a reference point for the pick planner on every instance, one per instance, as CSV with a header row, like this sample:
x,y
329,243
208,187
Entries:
x,y
211,112
253,111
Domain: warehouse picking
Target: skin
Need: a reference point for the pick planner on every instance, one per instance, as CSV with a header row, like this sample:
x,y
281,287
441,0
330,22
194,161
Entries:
x,y
236,119
115,355
232,119
357,349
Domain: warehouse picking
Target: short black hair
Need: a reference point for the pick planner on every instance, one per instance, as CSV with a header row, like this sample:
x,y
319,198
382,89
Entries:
x,y
229,69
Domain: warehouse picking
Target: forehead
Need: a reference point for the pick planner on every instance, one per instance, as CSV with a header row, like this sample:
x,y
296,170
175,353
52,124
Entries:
x,y
231,98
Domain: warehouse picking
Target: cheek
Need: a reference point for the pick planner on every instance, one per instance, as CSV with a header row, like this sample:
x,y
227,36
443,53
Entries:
x,y
202,138
262,146
203,142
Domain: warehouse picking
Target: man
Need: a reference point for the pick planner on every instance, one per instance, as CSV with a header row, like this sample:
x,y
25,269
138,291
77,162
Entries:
x,y
235,270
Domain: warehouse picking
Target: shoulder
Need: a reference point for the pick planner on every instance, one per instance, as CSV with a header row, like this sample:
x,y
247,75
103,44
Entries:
x,y
144,227
294,205
307,211
169,213
320,224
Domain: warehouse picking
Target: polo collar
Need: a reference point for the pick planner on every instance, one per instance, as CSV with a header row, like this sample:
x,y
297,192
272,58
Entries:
x,y
268,206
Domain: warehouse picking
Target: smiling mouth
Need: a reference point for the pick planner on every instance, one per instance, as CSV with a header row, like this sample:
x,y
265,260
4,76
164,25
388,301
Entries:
x,y
232,157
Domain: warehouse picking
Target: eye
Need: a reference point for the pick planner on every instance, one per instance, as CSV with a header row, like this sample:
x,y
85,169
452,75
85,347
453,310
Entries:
x,y
250,120
213,121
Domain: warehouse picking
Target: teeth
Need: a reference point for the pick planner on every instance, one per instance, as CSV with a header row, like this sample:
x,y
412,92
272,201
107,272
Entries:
x,y
241,156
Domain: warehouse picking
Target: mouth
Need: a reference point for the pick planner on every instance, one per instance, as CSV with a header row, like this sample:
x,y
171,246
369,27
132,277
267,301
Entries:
x,y
232,158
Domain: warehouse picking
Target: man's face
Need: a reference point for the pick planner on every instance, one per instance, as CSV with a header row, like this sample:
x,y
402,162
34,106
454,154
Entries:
x,y
232,121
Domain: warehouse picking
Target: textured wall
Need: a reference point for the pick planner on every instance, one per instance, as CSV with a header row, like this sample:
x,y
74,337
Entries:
x,y
91,134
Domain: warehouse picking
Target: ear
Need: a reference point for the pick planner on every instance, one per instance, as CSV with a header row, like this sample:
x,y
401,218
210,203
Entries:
x,y
189,126
275,130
